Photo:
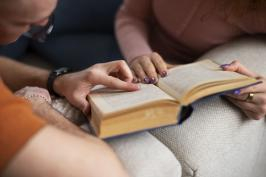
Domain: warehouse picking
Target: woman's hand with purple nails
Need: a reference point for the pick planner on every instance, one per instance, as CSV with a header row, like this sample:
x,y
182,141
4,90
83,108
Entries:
x,y
148,67
255,107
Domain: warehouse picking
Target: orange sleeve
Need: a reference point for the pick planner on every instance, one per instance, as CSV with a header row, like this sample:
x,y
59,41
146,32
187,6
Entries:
x,y
17,124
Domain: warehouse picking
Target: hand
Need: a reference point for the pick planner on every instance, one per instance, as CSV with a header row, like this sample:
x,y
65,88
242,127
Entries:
x,y
36,96
76,86
147,68
254,107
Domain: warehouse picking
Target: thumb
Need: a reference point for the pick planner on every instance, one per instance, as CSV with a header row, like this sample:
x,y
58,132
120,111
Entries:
x,y
81,103
84,106
236,66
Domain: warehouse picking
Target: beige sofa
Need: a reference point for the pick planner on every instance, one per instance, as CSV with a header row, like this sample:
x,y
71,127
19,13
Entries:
x,y
216,141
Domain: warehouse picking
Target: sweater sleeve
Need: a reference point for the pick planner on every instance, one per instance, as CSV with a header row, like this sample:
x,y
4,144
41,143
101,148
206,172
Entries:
x,y
132,28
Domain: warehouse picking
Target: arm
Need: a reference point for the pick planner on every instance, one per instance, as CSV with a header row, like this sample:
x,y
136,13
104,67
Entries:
x,y
132,28
17,75
40,101
56,119
47,150
133,23
74,86
52,152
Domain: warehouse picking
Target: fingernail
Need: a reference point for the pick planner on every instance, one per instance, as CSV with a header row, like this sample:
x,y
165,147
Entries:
x,y
164,74
135,86
236,92
146,80
224,66
152,80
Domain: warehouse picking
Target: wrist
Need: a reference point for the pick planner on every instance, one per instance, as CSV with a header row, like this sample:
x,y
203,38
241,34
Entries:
x,y
54,82
58,85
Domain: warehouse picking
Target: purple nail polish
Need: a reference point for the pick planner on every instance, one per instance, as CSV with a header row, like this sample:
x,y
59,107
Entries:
x,y
164,74
146,80
224,66
152,80
236,92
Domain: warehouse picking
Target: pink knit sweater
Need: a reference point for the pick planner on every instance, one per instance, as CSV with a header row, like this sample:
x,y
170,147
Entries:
x,y
179,30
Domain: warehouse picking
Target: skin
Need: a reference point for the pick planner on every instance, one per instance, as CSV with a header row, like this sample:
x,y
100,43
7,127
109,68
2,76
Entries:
x,y
148,68
74,86
255,108
28,13
64,150
54,153
144,67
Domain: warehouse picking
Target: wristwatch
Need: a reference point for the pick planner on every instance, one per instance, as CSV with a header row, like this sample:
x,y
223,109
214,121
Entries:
x,y
52,76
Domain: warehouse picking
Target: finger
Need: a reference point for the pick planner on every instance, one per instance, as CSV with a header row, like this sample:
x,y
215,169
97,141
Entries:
x,y
260,87
258,98
87,108
243,105
84,106
253,115
137,68
241,97
124,71
116,83
236,66
250,114
149,69
244,97
135,78
79,100
159,64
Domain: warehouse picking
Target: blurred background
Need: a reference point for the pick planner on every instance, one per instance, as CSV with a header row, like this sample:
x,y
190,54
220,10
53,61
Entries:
x,y
83,35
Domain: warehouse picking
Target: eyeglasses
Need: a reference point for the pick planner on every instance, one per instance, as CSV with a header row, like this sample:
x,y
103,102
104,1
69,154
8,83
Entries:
x,y
40,33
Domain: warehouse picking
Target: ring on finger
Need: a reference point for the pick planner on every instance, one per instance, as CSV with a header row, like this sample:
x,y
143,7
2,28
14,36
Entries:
x,y
250,97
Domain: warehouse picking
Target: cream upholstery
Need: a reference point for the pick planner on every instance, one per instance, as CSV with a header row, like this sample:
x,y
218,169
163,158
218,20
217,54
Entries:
x,y
216,141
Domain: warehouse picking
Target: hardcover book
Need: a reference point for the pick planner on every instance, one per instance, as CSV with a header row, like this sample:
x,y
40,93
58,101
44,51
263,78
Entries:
x,y
116,112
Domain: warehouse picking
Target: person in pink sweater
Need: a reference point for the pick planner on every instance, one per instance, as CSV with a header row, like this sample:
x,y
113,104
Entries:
x,y
154,33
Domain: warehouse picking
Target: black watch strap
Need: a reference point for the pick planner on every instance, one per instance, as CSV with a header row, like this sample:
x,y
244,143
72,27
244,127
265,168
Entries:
x,y
52,76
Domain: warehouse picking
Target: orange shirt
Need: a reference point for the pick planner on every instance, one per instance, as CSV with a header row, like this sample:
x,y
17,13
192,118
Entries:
x,y
17,124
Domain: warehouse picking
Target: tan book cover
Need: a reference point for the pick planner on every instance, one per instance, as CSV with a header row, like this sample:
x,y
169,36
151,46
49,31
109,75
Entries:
x,y
116,112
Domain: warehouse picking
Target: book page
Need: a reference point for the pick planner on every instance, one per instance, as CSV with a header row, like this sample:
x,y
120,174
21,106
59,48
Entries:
x,y
110,101
184,78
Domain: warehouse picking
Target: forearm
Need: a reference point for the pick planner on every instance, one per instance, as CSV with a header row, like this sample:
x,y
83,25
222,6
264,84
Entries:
x,y
132,28
17,75
56,119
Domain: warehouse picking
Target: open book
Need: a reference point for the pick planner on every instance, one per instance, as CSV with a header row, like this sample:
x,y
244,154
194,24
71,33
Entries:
x,y
116,112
